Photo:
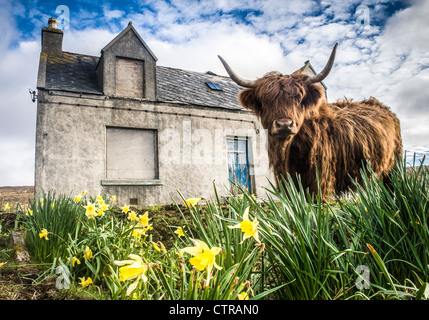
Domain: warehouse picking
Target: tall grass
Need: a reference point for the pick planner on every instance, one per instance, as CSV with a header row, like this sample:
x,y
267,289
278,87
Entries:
x,y
393,219
306,244
59,215
240,259
307,248
318,247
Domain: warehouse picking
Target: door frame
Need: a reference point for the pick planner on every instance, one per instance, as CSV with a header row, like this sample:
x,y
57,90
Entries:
x,y
249,163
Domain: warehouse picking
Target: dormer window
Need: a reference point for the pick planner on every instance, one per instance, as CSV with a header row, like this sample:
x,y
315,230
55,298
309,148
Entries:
x,y
127,67
129,77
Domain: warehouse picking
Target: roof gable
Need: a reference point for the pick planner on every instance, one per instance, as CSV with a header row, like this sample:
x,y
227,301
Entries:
x,y
123,33
309,70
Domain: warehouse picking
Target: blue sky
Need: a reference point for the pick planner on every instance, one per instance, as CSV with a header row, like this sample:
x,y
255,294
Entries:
x,y
383,52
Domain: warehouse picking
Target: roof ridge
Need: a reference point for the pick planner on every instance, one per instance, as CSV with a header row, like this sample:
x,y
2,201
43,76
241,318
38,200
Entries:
x,y
193,71
82,54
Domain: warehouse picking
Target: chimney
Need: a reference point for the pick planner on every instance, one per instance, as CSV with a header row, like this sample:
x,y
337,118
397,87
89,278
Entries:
x,y
52,39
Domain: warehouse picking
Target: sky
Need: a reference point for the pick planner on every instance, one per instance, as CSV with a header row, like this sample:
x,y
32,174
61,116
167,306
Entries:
x,y
383,52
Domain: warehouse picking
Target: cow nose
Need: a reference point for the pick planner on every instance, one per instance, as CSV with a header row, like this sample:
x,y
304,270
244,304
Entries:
x,y
285,124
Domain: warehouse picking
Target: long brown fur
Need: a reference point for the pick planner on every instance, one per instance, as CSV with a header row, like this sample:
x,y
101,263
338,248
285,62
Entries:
x,y
336,138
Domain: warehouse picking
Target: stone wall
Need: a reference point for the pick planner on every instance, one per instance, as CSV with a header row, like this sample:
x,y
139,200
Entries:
x,y
190,147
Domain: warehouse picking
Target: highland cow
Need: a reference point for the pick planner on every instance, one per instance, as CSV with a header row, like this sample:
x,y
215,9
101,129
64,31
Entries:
x,y
306,134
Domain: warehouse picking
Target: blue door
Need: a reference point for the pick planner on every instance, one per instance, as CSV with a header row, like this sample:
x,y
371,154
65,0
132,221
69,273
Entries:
x,y
238,164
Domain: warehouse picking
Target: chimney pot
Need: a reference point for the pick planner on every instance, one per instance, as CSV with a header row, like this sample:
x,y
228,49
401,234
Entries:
x,y
52,22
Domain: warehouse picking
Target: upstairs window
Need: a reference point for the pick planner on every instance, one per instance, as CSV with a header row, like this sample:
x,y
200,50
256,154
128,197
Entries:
x,y
129,78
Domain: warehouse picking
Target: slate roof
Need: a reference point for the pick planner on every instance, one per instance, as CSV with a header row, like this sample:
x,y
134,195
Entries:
x,y
72,72
77,73
190,87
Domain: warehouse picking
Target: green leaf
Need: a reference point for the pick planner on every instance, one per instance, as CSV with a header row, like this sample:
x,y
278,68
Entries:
x,y
423,293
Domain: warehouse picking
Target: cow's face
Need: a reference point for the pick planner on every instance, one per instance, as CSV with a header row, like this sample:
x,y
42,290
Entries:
x,y
282,102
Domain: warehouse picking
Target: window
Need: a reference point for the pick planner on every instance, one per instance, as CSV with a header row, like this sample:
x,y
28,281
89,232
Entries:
x,y
131,154
129,78
214,86
238,164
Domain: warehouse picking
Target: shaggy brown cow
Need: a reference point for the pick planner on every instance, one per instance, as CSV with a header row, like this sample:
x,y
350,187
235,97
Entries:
x,y
305,132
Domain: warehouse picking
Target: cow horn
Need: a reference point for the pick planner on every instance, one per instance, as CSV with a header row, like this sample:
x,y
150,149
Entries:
x,y
324,73
238,80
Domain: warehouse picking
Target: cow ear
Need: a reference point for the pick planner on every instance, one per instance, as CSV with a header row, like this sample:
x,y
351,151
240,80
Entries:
x,y
249,101
314,95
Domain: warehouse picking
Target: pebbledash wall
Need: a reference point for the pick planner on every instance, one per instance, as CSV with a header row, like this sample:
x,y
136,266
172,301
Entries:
x,y
120,125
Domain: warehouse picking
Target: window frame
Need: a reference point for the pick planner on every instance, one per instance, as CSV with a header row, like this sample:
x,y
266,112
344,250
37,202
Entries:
x,y
143,93
249,159
134,181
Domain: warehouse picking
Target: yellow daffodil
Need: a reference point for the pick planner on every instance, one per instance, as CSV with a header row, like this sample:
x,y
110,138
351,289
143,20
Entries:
x,y
75,260
6,207
179,232
252,196
203,256
137,233
29,212
131,269
102,208
125,209
44,234
113,198
2,264
90,210
88,253
41,200
132,216
84,283
99,198
250,228
84,192
192,201
77,198
144,219
243,296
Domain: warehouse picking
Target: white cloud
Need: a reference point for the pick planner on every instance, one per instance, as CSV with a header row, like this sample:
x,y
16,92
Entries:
x,y
396,70
405,31
236,43
18,70
112,14
87,41
16,162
